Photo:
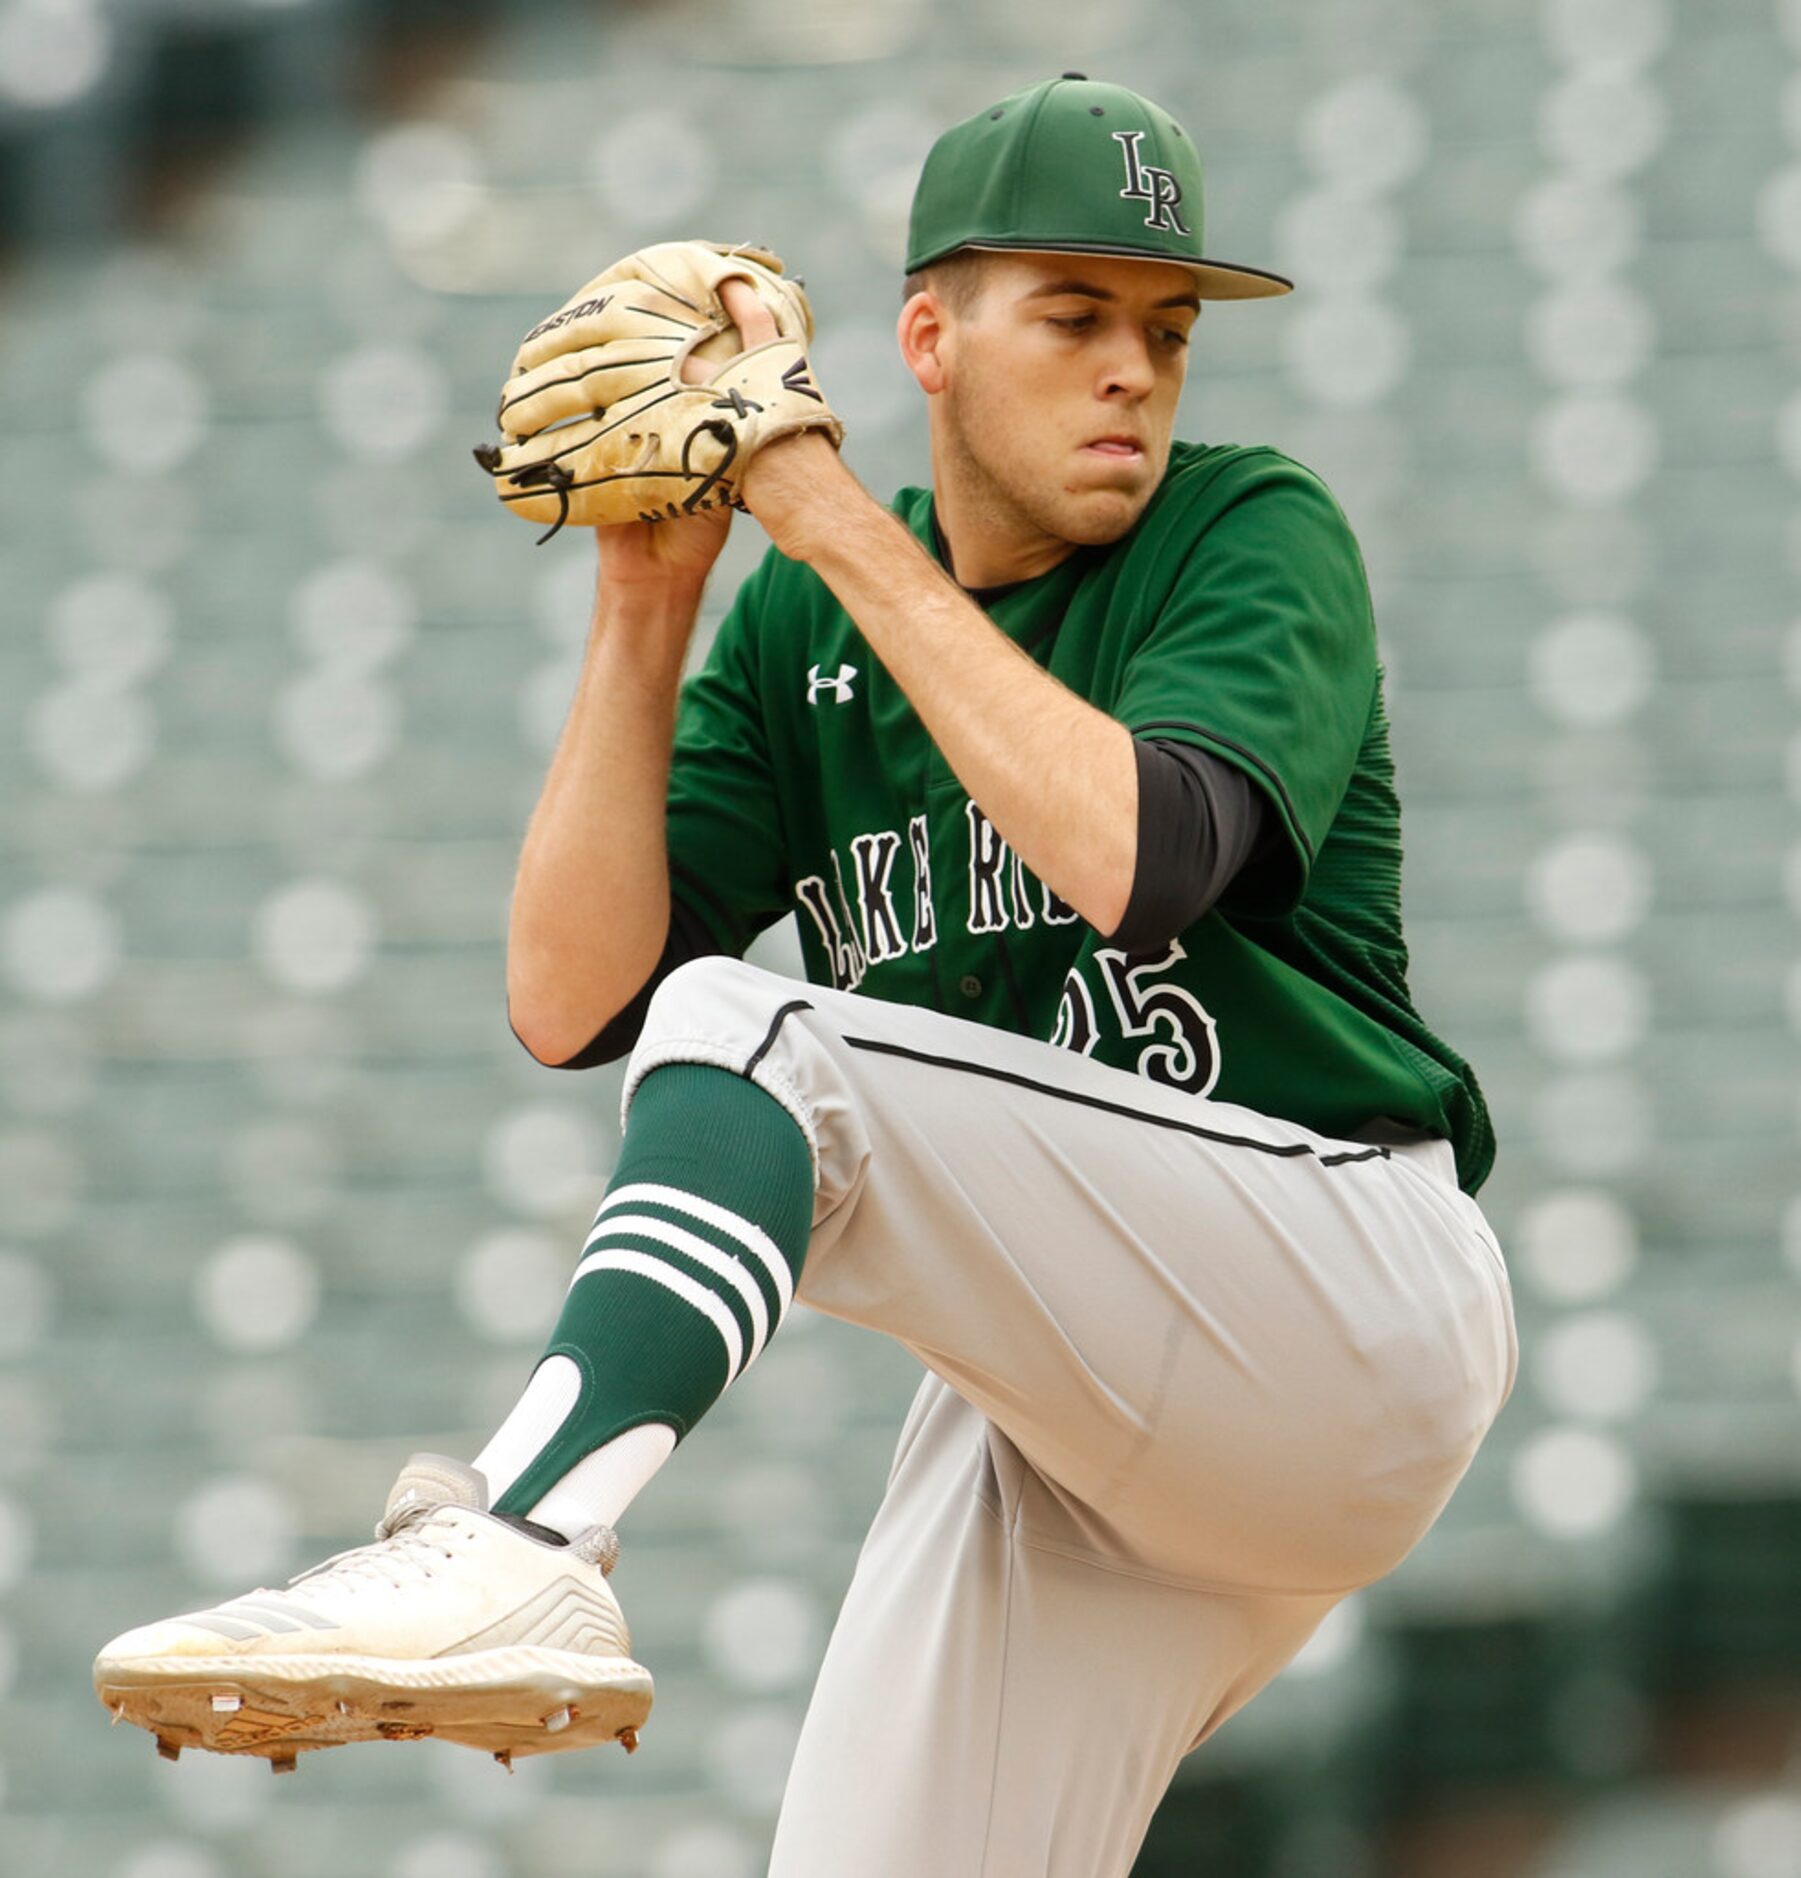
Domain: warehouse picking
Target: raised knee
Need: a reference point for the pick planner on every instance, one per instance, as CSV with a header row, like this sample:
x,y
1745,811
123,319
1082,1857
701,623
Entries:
x,y
720,999
720,1011
731,1016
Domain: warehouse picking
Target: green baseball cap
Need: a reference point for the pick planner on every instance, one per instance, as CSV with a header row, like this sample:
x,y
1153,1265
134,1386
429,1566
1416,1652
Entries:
x,y
1073,166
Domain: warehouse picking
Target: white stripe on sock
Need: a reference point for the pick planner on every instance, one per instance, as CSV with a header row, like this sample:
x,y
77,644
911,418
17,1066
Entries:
x,y
746,1232
659,1271
703,1252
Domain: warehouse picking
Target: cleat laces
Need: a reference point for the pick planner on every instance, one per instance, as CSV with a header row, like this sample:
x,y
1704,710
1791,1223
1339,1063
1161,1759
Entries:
x,y
405,1548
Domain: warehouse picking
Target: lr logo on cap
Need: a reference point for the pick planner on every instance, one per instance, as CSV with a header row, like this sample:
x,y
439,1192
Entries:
x,y
1146,183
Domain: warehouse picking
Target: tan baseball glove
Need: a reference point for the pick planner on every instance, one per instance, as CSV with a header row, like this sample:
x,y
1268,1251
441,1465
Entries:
x,y
636,401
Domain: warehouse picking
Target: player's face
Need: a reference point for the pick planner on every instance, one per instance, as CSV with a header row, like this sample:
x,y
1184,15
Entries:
x,y
1063,382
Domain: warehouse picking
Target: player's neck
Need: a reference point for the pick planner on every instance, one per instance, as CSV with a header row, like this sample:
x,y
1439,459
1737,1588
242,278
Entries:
x,y
991,544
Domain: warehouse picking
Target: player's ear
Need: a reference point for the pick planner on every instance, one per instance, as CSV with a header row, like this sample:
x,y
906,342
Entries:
x,y
924,332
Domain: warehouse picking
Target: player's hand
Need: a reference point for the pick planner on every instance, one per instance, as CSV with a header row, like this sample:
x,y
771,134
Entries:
x,y
787,484
680,554
673,556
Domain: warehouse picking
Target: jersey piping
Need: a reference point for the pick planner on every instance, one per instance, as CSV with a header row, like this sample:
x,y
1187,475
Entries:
x,y
769,1036
1290,1150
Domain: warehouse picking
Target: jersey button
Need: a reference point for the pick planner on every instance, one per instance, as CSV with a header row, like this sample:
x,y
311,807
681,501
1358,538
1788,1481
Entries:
x,y
970,985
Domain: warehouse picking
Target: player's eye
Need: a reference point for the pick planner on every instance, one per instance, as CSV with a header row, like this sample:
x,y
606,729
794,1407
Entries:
x,y
1075,323
1173,337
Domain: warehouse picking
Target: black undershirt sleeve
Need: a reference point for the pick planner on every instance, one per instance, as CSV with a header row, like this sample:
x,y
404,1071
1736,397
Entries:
x,y
688,939
1199,821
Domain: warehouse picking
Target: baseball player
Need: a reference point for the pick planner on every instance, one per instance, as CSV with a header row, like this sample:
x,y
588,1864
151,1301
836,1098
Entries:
x,y
1106,1096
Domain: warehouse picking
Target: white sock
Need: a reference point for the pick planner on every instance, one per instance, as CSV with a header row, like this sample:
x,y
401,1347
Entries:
x,y
598,1489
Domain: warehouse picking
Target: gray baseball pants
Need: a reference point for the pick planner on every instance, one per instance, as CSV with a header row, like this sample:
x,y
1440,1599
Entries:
x,y
1194,1375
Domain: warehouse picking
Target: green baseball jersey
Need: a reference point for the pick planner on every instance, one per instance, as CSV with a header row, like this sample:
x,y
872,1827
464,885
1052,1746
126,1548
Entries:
x,y
1234,615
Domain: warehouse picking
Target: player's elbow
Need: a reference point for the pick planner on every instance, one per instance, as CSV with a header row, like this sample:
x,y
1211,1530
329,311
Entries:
x,y
1096,879
551,1039
540,1045
1109,899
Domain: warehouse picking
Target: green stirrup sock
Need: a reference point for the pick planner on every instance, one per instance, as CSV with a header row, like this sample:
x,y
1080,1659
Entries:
x,y
689,1268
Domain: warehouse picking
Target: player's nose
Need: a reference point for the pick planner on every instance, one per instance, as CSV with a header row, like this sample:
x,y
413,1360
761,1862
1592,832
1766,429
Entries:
x,y
1128,369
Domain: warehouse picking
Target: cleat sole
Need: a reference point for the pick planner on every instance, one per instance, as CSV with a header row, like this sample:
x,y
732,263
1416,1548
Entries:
x,y
280,1706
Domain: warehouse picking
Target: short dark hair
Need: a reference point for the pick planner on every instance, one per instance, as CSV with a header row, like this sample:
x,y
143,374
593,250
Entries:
x,y
956,279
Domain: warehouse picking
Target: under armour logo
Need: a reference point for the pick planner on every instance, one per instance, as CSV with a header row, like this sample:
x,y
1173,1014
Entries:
x,y
1147,183
839,687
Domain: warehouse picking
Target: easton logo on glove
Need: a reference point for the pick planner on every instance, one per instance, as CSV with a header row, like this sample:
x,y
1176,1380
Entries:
x,y
566,314
636,402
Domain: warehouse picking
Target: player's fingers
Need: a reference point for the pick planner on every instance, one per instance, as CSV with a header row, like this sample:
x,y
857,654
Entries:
x,y
755,323
752,320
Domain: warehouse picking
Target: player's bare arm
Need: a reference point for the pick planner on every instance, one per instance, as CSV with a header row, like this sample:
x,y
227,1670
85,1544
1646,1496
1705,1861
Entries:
x,y
1053,774
1090,356
590,904
590,907
590,900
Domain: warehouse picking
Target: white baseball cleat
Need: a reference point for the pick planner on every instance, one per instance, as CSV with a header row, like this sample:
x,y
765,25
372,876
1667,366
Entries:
x,y
455,1623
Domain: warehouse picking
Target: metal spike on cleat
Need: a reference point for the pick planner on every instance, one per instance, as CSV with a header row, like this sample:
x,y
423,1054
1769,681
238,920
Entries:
x,y
555,1724
227,1704
168,1749
628,1739
283,1763
505,1757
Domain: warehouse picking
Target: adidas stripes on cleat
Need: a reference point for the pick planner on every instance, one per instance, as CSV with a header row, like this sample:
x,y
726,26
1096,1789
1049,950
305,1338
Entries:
x,y
456,1624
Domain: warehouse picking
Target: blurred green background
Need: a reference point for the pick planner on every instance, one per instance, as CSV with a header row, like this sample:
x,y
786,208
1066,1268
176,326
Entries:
x,y
282,1198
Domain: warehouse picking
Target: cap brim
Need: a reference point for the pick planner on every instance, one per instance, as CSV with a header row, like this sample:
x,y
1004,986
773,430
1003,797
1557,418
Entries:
x,y
1218,280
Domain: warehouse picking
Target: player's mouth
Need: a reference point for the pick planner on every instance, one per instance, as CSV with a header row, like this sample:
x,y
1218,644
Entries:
x,y
1118,449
